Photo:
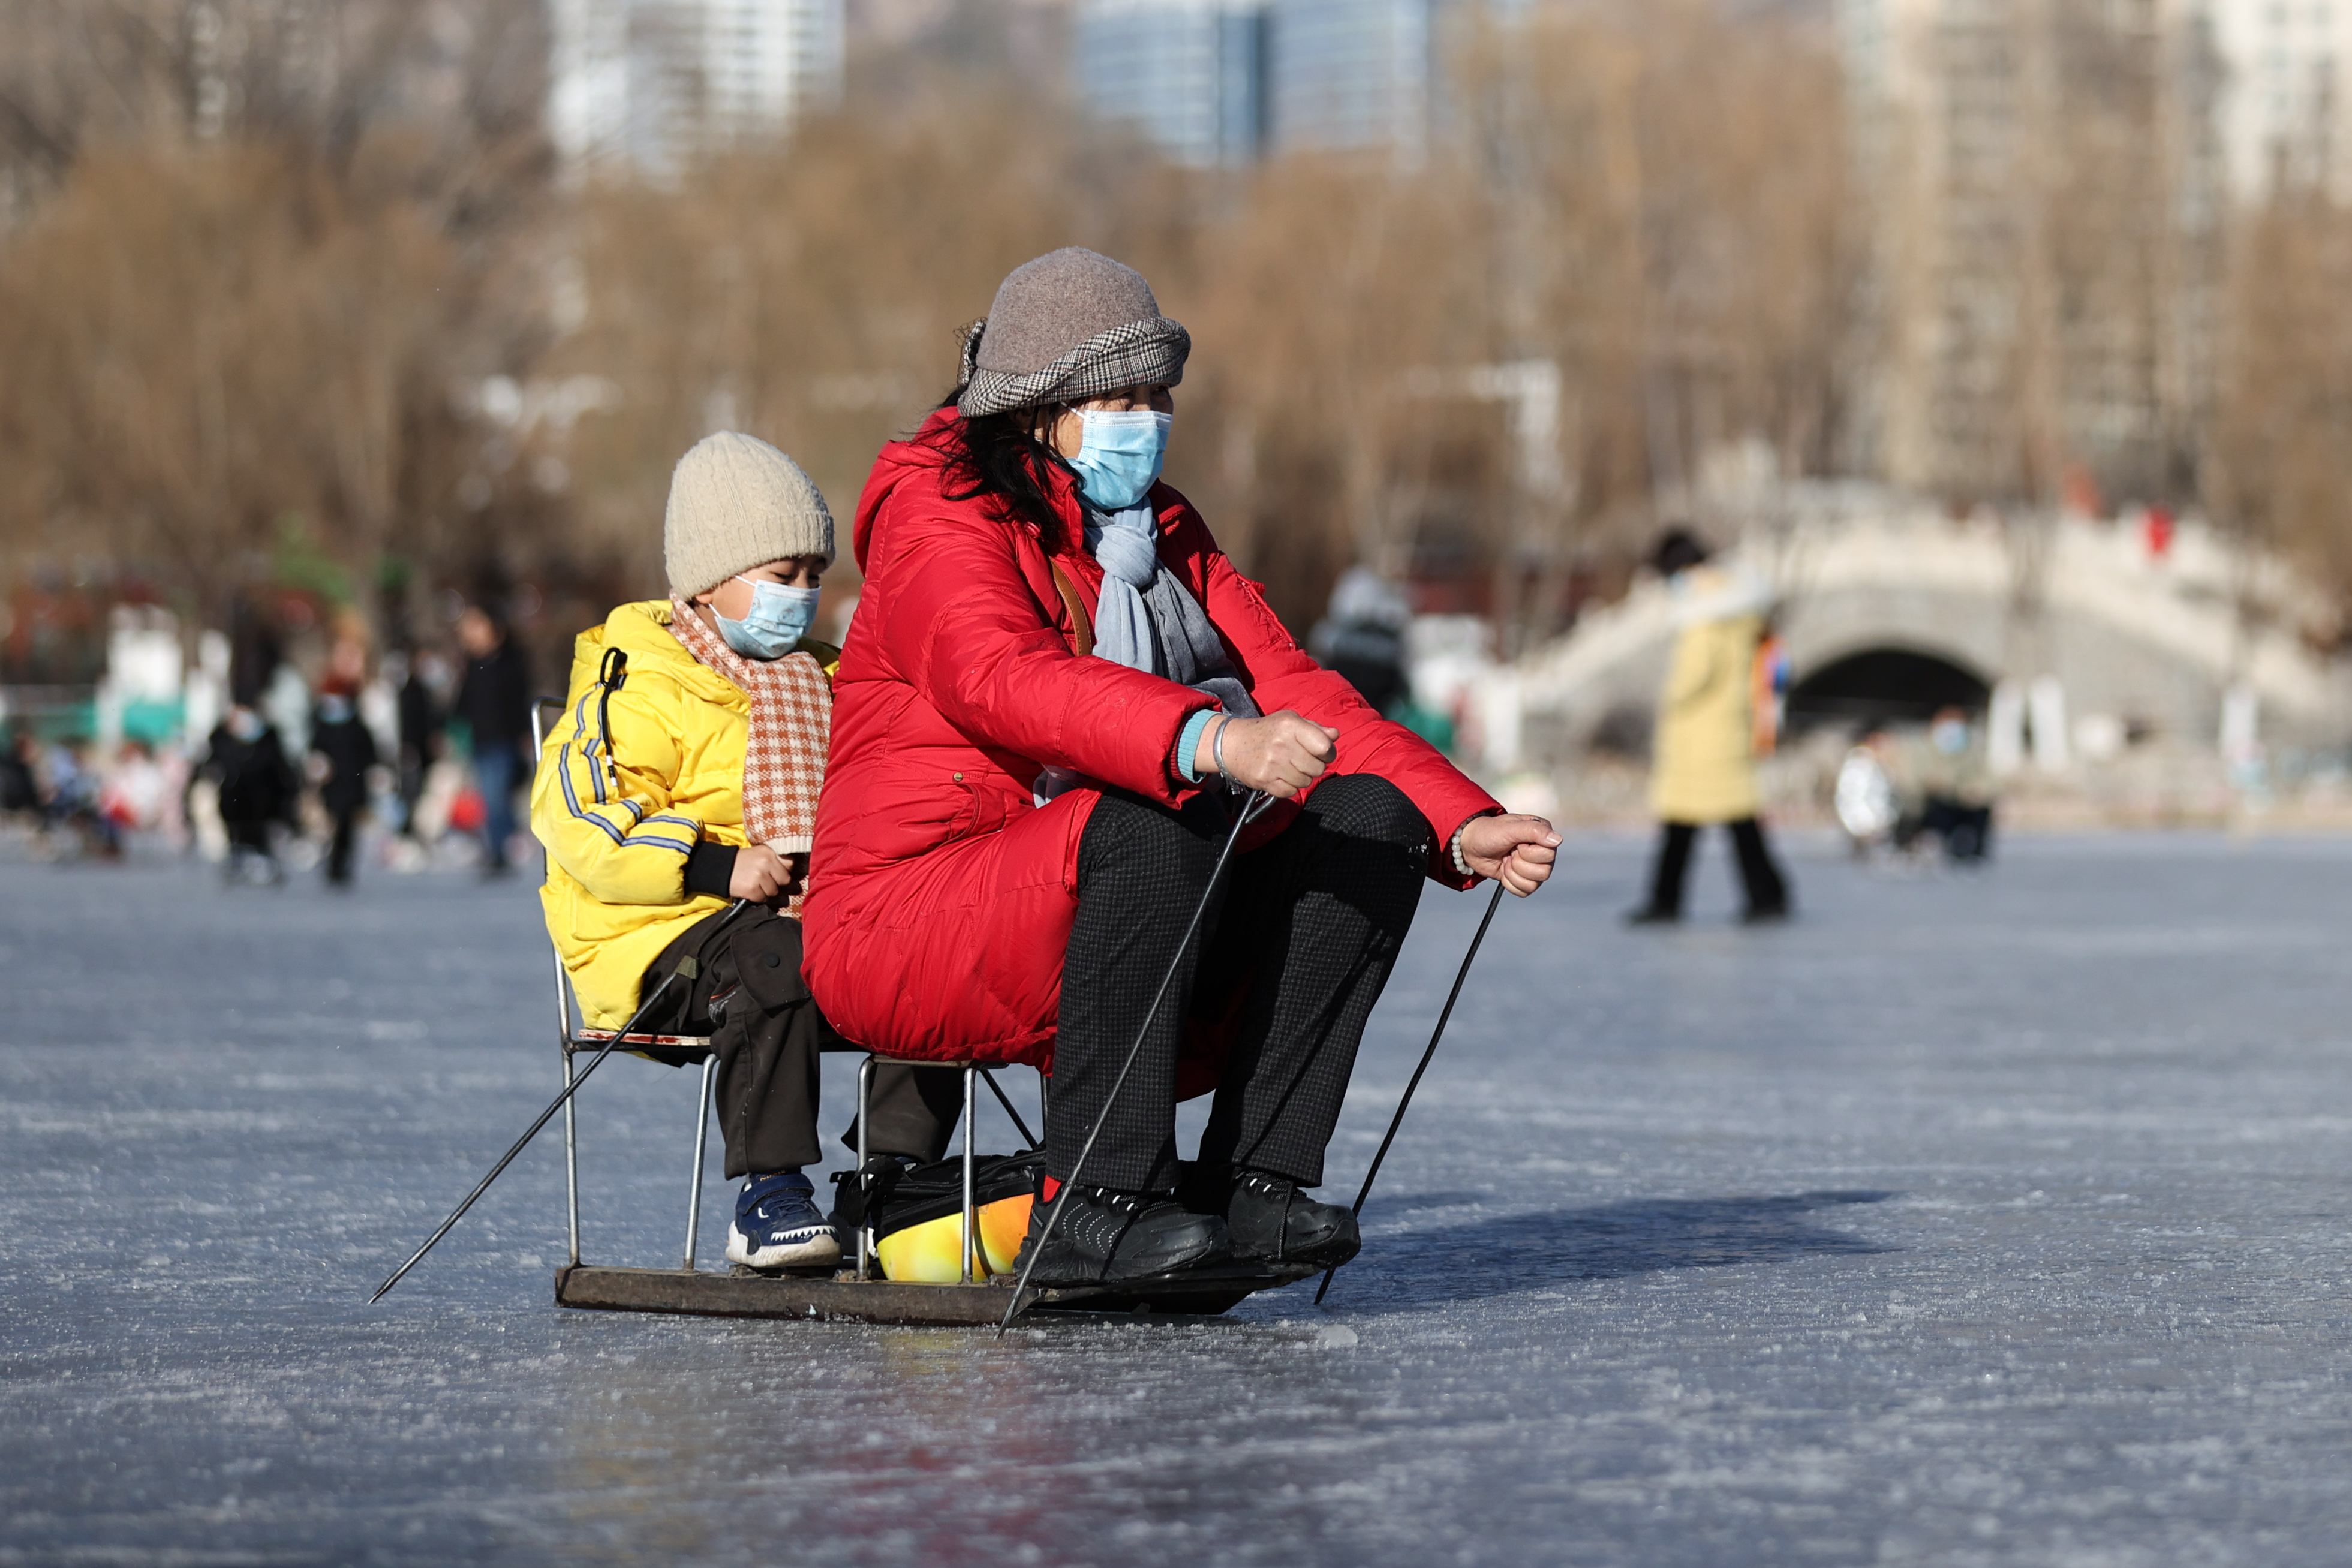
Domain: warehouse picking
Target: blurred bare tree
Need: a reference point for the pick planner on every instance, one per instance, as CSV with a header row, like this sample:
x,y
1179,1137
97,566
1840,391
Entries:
x,y
1593,268
303,272
816,298
2281,468
254,249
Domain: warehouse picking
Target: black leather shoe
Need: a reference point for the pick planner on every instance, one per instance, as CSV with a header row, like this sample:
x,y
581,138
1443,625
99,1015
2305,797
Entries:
x,y
1273,1221
1654,917
1105,1236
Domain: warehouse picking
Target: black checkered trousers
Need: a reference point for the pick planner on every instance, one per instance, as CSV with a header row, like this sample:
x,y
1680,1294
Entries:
x,y
1309,923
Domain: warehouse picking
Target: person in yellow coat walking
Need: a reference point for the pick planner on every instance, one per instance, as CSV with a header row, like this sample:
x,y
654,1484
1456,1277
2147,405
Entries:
x,y
1705,767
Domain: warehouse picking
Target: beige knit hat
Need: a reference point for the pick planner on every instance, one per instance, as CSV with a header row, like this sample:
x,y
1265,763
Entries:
x,y
735,502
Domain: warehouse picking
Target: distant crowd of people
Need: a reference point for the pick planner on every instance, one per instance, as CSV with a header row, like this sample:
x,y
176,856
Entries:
x,y
61,788
435,748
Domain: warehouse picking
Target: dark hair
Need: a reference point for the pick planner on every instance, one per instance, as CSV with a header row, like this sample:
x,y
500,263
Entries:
x,y
1678,550
998,456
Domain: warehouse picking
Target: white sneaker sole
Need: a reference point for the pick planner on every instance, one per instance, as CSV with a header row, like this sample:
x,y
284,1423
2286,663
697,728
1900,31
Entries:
x,y
825,1248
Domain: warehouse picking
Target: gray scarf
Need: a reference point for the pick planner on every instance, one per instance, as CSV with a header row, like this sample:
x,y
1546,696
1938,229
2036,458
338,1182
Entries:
x,y
1147,619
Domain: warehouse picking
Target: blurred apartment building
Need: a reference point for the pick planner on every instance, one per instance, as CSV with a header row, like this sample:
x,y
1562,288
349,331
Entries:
x,y
652,83
1188,74
2050,182
2286,114
1223,82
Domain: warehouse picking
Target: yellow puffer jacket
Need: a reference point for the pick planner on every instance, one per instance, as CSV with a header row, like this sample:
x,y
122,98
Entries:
x,y
1705,769
618,829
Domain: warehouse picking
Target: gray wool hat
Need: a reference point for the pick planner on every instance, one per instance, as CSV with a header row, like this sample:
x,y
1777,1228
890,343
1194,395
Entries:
x,y
1069,325
735,502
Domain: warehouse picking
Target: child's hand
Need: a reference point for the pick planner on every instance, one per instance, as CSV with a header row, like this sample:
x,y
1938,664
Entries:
x,y
763,875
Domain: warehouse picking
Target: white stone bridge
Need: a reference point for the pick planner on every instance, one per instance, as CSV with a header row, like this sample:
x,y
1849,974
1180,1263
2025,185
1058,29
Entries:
x,y
1889,608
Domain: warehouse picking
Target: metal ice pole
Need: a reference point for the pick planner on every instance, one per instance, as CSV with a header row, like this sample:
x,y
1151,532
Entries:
x,y
701,1150
1413,1082
562,1043
572,1161
1019,1125
687,969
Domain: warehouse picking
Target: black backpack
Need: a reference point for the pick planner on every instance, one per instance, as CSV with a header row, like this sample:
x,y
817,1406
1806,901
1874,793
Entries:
x,y
900,1196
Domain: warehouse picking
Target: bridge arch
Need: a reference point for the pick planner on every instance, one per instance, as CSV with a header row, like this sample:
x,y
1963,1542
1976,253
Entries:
x,y
1884,683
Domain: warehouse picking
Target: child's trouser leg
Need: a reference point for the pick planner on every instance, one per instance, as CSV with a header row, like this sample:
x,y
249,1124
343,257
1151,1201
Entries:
x,y
909,1111
766,1029
768,1035
748,999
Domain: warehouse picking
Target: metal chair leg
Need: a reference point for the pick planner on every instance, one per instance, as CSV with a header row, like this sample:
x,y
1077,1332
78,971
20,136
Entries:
x,y
968,1226
701,1152
864,1220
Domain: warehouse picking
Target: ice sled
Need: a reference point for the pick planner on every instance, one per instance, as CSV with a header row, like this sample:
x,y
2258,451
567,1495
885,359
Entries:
x,y
845,1298
973,1294
856,1293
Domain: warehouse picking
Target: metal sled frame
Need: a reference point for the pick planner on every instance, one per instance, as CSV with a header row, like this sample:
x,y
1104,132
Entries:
x,y
850,1295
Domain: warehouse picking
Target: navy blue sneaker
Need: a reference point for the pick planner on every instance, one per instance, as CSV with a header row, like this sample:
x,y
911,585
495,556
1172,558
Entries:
x,y
777,1226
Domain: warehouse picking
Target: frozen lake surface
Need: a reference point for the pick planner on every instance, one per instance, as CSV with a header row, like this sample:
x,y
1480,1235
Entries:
x,y
1996,1220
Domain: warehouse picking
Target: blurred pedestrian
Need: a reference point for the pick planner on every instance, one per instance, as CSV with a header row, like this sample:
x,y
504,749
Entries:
x,y
132,797
72,800
1955,787
416,681
1361,637
248,763
1704,769
342,749
1869,807
494,699
20,783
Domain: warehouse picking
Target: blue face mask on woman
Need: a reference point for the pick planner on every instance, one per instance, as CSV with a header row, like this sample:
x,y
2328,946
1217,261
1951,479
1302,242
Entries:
x,y
781,616
1120,455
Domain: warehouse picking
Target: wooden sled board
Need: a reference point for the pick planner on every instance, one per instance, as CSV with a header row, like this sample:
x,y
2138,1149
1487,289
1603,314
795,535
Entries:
x,y
595,1288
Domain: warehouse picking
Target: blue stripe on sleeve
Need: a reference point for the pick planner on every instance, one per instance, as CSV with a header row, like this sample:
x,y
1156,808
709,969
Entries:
x,y
572,799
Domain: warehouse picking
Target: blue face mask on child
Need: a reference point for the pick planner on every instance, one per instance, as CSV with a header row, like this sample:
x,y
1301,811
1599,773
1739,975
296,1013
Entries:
x,y
781,616
1120,455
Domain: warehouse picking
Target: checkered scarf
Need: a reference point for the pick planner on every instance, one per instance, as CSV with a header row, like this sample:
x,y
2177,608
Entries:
x,y
791,724
1138,354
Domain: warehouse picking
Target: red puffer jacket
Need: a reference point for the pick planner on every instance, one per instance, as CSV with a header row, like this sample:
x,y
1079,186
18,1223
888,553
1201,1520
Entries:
x,y
941,898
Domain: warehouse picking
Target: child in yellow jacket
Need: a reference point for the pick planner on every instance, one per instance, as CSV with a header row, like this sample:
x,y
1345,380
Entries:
x,y
684,776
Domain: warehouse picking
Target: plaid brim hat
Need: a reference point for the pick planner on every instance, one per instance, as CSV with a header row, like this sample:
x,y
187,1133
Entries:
x,y
1068,326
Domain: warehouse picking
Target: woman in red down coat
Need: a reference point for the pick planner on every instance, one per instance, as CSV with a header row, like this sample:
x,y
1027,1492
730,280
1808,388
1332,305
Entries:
x,y
1035,761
